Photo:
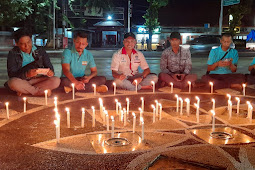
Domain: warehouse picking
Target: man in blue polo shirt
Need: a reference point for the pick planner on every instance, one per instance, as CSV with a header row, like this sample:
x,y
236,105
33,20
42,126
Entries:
x,y
221,65
74,63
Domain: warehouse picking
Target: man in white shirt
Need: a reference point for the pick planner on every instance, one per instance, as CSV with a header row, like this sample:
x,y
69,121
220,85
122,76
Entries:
x,y
125,63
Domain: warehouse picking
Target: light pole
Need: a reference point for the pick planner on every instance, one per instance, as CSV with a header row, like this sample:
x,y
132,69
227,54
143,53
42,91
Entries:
x,y
221,17
129,14
54,24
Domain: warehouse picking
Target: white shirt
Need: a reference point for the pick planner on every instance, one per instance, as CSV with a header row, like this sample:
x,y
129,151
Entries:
x,y
124,65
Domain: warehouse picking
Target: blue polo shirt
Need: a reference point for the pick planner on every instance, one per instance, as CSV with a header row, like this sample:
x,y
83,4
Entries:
x,y
253,62
77,63
215,56
28,58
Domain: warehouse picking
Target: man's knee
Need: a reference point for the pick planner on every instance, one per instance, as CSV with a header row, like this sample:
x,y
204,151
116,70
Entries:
x,y
55,82
14,82
153,77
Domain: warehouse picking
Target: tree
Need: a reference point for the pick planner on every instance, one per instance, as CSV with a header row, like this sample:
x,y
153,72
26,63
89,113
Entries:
x,y
238,11
151,17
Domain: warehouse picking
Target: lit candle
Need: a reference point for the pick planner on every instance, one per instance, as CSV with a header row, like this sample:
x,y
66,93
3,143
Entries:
x,y
136,86
119,111
107,121
112,134
25,104
177,103
244,85
156,107
127,105
189,86
181,106
7,110
117,106
82,117
187,106
56,102
114,88
229,99
172,87
73,90
57,130
230,109
211,84
141,113
134,121
197,111
103,116
122,115
198,101
213,105
68,117
101,106
154,113
250,116
142,122
125,117
153,86
142,104
46,97
237,105
213,120
250,108
95,89
160,111
93,117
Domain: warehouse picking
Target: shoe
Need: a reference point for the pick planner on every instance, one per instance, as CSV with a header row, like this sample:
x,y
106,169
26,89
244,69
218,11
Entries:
x,y
102,89
67,89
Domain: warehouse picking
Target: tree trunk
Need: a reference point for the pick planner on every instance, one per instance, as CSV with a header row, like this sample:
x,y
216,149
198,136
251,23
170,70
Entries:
x,y
150,40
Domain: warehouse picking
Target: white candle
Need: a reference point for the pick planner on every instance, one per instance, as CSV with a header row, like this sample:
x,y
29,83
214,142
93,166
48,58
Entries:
x,y
229,99
56,102
125,117
244,85
112,134
181,106
189,86
101,106
213,120
127,105
122,115
142,122
160,111
57,130
117,106
25,104
7,110
46,97
213,105
142,104
154,113
211,84
107,121
187,106
73,90
197,111
230,109
136,86
172,87
68,117
95,89
198,101
134,121
103,116
82,117
177,103
251,109
119,112
237,105
153,86
156,108
93,117
114,88
141,113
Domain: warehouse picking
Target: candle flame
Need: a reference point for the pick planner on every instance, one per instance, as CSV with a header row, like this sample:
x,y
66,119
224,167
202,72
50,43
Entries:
x,y
24,98
94,85
7,103
211,83
197,98
133,114
176,96
93,108
72,85
83,109
153,106
189,82
140,109
141,119
114,83
46,91
187,100
160,105
152,82
244,85
67,109
116,100
112,118
237,98
55,98
171,84
213,100
56,123
141,98
213,112
127,99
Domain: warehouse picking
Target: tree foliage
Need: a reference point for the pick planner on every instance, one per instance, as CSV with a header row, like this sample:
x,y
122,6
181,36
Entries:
x,y
151,16
238,11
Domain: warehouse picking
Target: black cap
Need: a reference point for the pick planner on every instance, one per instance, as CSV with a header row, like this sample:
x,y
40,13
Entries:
x,y
129,34
175,35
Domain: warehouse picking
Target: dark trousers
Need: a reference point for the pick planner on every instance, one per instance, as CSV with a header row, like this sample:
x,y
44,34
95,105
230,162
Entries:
x,y
221,81
98,80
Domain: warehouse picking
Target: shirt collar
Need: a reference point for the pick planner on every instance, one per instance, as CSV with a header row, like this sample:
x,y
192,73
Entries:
x,y
125,52
224,51
74,50
33,49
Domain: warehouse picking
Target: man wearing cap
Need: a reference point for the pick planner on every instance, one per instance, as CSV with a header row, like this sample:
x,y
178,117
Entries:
x,y
125,63
175,64
221,65
29,67
74,63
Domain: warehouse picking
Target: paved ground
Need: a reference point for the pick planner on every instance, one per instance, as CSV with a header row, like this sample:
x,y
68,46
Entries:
x,y
103,61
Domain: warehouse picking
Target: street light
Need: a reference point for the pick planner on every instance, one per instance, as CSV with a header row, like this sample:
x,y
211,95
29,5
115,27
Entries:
x,y
109,17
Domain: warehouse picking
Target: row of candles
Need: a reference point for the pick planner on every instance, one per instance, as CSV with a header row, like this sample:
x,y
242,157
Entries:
x,y
157,112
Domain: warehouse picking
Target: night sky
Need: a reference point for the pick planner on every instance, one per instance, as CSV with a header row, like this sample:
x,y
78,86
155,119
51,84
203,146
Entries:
x,y
186,13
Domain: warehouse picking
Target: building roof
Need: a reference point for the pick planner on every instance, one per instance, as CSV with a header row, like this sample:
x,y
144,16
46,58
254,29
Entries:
x,y
109,24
